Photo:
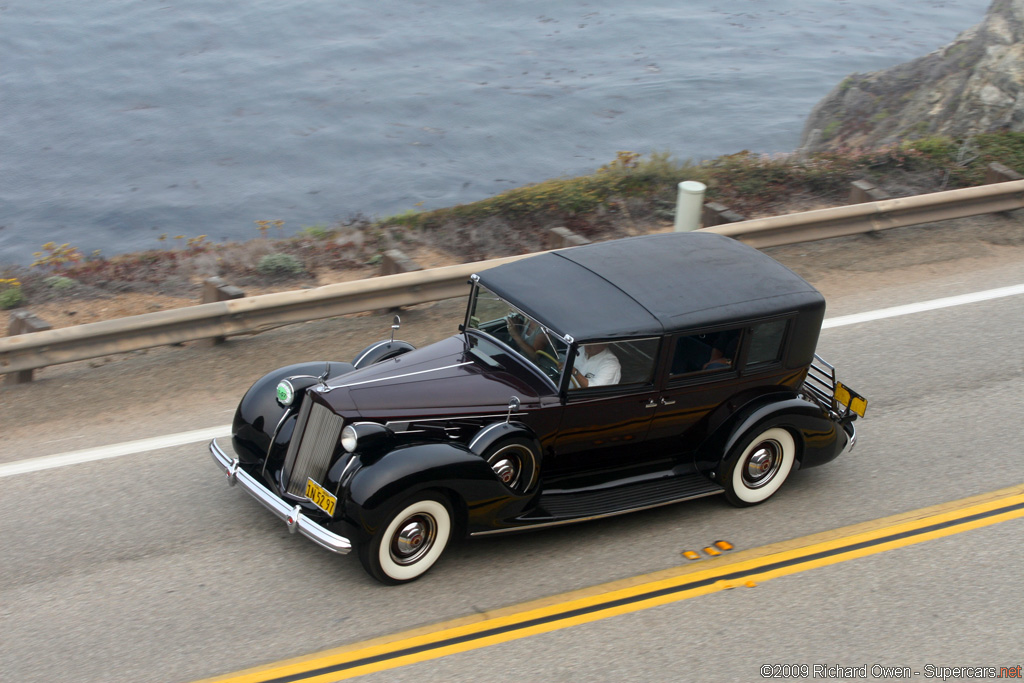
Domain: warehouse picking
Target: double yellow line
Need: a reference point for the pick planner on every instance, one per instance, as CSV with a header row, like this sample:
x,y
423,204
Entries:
x,y
641,592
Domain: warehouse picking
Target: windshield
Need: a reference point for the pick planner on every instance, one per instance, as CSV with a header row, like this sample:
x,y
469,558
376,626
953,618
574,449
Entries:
x,y
537,344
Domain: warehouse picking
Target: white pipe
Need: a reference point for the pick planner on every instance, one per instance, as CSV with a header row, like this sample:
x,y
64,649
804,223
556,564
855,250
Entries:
x,y
690,205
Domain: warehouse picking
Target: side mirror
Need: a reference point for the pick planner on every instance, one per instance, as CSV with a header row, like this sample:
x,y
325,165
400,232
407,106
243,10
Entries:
x,y
395,324
513,406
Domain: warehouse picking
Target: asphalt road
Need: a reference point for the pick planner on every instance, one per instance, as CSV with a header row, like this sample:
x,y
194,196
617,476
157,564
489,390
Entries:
x,y
147,567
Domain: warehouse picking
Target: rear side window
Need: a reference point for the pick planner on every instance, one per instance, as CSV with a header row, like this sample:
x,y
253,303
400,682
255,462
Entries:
x,y
706,352
766,342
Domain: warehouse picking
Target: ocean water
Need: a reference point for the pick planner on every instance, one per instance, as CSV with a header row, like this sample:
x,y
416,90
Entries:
x,y
122,120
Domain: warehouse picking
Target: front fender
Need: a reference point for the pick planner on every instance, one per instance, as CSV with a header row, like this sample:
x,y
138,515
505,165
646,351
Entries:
x,y
818,438
259,414
378,488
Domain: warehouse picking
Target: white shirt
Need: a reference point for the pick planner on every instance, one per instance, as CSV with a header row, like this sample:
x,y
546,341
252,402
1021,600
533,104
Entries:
x,y
600,369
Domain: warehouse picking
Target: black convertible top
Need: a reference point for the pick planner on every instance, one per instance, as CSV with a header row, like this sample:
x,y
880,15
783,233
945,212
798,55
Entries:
x,y
647,286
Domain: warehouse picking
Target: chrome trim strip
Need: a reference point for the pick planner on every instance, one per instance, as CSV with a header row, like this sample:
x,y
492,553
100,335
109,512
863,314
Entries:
x,y
391,424
288,412
291,515
408,374
563,522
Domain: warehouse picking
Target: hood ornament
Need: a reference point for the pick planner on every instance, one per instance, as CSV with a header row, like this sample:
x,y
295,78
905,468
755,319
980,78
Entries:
x,y
321,381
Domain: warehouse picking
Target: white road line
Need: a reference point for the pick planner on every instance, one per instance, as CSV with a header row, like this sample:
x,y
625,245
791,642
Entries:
x,y
923,306
199,435
115,451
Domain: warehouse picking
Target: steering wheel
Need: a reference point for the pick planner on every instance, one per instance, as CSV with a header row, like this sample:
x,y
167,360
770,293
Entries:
x,y
549,364
553,367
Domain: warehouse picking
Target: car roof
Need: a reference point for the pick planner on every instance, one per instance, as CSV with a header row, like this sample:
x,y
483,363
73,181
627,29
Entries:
x,y
650,285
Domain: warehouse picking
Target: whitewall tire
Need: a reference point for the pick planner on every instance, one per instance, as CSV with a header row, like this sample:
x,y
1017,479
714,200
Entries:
x,y
411,542
760,467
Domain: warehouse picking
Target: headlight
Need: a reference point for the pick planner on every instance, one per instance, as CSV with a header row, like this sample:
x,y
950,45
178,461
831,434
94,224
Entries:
x,y
349,438
368,437
285,392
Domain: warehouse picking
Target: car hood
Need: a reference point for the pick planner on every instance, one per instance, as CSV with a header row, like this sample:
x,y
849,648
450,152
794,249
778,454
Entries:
x,y
440,379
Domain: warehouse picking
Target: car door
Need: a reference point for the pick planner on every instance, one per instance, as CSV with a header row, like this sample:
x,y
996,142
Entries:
x,y
704,371
604,428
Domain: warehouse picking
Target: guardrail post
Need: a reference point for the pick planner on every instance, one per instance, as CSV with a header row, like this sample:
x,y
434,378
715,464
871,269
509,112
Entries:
x,y
23,322
394,261
689,205
560,238
719,214
998,173
215,289
863,191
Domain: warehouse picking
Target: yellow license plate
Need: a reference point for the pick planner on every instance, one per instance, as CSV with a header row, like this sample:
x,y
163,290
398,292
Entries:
x,y
323,500
851,399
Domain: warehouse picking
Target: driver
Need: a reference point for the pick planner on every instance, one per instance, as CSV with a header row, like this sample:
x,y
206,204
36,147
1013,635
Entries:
x,y
596,366
527,335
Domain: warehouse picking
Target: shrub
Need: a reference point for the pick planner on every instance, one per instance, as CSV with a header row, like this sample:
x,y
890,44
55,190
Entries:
x,y
59,283
10,293
280,265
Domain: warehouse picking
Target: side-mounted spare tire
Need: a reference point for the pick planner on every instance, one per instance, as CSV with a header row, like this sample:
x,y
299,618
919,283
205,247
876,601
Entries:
x,y
512,451
381,351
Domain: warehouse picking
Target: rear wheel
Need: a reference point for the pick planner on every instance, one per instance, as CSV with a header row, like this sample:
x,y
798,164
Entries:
x,y
758,466
410,542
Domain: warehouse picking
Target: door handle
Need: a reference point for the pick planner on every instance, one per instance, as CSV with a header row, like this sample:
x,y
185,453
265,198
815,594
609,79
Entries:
x,y
651,403
665,402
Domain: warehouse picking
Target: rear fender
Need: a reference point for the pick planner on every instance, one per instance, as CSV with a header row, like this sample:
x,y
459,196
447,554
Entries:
x,y
818,438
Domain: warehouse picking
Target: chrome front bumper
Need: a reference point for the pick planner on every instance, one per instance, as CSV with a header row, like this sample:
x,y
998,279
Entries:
x,y
292,515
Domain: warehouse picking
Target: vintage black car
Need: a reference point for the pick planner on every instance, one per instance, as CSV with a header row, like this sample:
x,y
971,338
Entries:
x,y
582,383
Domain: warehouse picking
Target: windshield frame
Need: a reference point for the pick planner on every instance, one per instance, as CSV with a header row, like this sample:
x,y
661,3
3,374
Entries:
x,y
561,344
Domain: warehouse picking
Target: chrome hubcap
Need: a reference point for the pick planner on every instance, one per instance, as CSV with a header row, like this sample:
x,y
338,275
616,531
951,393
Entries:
x,y
413,539
762,464
505,470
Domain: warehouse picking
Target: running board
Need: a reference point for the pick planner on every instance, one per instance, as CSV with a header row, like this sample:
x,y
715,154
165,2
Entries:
x,y
567,507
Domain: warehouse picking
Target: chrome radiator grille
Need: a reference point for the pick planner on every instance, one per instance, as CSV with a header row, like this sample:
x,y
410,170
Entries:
x,y
313,442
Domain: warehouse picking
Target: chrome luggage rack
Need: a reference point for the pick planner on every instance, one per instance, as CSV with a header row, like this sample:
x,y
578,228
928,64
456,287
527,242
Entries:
x,y
820,386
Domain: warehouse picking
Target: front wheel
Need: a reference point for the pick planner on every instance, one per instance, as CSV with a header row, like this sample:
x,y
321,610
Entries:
x,y
758,467
411,541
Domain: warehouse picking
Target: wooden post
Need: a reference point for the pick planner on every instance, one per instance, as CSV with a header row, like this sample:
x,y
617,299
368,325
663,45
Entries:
x,y
719,214
23,322
559,238
998,173
394,261
215,289
862,191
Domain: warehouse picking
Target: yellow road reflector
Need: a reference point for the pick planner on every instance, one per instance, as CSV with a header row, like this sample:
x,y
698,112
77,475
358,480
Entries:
x,y
723,545
691,554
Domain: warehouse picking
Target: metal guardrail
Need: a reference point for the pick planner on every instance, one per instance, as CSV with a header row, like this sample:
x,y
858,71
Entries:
x,y
254,314
873,216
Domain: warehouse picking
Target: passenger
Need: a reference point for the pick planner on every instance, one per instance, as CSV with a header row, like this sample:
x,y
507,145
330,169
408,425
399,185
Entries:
x,y
596,366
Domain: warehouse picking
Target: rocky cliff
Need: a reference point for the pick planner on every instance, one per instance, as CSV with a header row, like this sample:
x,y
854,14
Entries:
x,y
973,85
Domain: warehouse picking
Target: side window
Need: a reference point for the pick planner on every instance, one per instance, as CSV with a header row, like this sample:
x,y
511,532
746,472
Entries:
x,y
614,363
711,351
766,342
